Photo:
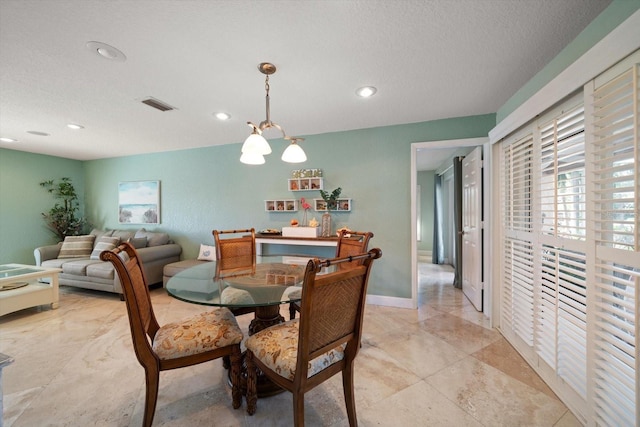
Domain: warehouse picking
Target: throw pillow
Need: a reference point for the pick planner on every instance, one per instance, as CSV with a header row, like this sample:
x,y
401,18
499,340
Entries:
x,y
138,242
104,244
153,239
99,233
123,234
207,253
77,246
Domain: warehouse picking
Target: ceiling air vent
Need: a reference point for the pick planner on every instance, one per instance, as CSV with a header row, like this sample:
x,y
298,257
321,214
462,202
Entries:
x,y
158,105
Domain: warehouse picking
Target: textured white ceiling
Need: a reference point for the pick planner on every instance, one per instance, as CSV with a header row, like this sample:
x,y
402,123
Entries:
x,y
429,60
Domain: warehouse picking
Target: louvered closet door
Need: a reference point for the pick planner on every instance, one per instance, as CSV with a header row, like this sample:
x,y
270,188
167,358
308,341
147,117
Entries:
x,y
517,222
560,285
570,205
613,155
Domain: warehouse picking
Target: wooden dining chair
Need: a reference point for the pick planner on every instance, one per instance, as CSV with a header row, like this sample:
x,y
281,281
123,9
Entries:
x,y
349,243
302,353
198,339
235,254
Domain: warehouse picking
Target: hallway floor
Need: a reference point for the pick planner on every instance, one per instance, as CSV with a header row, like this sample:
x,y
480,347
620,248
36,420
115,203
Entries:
x,y
439,365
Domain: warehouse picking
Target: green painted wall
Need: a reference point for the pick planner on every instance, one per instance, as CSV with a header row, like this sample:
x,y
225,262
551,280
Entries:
x,y
22,201
426,180
617,12
207,188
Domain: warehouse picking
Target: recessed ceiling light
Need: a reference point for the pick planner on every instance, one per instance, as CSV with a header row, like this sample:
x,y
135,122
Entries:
x,y
366,91
222,116
38,133
106,51
74,126
4,139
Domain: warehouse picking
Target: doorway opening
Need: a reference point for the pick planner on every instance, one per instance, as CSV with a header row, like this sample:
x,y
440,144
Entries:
x,y
437,157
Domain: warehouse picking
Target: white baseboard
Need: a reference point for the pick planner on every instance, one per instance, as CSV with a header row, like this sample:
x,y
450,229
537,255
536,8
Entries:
x,y
390,301
425,256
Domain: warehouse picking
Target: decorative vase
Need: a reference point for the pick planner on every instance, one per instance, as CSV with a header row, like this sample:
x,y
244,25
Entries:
x,y
304,219
326,224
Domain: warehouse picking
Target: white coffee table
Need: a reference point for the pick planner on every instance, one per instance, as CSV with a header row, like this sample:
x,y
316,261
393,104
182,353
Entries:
x,y
32,292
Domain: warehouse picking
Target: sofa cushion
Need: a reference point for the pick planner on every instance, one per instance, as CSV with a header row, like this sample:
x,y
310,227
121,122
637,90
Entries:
x,y
103,270
104,244
54,263
124,235
138,242
77,246
78,267
174,268
153,239
101,233
207,253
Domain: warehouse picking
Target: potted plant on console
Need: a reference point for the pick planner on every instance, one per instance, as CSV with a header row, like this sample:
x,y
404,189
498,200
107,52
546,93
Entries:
x,y
331,199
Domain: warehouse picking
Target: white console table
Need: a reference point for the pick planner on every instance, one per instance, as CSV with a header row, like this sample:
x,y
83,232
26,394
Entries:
x,y
32,292
296,241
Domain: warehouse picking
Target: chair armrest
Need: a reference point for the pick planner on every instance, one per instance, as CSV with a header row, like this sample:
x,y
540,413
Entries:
x,y
44,253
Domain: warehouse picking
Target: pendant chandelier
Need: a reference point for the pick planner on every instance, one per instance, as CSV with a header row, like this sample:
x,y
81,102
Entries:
x,y
255,147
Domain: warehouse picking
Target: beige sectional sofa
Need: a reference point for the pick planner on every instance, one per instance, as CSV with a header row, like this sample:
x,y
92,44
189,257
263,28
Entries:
x,y
78,257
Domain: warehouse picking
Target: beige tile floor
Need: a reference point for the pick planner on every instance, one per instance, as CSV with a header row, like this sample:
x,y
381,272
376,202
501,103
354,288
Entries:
x,y
439,365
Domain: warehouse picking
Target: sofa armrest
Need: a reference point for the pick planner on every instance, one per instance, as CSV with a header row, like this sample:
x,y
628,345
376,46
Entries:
x,y
44,253
154,253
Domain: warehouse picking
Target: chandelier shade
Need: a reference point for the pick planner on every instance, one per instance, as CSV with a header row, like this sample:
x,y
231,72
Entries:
x,y
294,153
252,158
255,143
255,147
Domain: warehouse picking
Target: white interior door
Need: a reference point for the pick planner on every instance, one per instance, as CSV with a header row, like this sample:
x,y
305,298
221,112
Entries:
x,y
472,227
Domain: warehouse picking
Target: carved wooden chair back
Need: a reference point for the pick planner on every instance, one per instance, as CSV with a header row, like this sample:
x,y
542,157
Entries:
x,y
142,319
351,243
356,243
328,336
237,246
147,333
235,254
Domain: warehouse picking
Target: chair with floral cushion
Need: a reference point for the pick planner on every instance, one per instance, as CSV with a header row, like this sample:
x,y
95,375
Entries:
x,y
198,339
300,354
236,255
349,243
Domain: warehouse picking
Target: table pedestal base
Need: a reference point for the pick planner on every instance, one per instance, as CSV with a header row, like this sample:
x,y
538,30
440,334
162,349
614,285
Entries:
x,y
265,317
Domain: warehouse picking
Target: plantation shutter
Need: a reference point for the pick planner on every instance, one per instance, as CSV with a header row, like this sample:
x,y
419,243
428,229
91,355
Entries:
x,y
560,287
570,246
614,156
517,290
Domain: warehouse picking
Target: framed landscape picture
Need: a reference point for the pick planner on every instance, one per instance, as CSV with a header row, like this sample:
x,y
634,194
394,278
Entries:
x,y
139,202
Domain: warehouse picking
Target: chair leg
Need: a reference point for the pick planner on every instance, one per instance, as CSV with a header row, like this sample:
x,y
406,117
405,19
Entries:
x,y
152,375
252,383
292,311
298,409
236,366
349,397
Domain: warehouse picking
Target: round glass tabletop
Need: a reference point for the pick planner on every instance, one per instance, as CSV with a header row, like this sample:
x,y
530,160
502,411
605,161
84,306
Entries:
x,y
272,280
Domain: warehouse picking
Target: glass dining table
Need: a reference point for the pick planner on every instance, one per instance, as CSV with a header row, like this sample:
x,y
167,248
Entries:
x,y
266,284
